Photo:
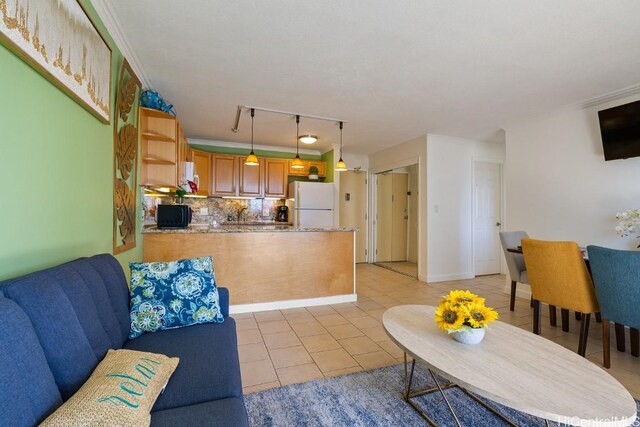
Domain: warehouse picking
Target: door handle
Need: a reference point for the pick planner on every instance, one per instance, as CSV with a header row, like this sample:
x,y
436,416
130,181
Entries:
x,y
498,224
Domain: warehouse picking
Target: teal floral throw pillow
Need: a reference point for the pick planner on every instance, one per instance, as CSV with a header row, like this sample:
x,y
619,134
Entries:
x,y
168,295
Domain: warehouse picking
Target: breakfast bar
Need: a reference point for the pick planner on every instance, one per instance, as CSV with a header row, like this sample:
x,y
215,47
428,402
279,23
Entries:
x,y
266,267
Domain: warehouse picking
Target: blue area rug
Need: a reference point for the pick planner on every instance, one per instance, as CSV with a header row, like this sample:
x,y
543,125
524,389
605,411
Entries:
x,y
371,398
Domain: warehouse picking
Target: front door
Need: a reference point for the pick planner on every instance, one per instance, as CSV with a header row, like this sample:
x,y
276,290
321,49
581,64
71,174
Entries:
x,y
487,217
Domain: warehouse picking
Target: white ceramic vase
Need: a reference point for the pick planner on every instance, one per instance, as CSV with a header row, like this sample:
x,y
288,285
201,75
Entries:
x,y
469,336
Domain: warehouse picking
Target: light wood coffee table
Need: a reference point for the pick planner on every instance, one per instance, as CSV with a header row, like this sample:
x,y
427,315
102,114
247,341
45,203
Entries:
x,y
513,367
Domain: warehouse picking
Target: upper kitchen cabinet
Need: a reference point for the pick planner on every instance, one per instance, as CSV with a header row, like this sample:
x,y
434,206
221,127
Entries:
x,y
202,169
223,178
322,168
275,177
159,151
250,183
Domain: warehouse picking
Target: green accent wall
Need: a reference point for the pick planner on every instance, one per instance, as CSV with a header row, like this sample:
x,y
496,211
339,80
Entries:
x,y
259,153
329,158
56,169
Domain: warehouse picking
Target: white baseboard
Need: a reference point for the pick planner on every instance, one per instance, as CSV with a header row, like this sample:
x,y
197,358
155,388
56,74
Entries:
x,y
296,303
448,277
522,290
423,278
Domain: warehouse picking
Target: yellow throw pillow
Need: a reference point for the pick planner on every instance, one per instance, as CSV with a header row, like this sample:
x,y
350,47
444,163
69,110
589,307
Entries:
x,y
120,392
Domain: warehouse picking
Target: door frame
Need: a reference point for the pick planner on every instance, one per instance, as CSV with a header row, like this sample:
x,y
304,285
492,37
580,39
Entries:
x,y
373,205
503,212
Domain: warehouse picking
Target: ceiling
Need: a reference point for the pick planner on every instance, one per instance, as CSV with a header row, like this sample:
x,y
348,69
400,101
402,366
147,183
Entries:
x,y
393,70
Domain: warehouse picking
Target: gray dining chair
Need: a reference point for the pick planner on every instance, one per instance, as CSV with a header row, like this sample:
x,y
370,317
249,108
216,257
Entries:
x,y
515,262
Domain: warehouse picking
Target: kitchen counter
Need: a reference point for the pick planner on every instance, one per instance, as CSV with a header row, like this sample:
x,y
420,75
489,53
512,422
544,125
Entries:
x,y
240,228
266,266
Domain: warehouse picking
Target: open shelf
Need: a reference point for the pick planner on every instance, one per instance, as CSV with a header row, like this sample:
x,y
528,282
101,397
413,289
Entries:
x,y
150,112
157,184
157,137
155,161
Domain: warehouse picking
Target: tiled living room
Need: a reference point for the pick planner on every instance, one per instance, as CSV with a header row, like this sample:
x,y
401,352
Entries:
x,y
330,213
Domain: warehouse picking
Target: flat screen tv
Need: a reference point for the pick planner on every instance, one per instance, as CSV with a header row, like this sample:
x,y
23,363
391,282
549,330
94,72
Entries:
x,y
620,130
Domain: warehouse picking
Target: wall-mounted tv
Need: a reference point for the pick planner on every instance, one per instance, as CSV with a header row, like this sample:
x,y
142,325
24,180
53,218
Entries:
x,y
620,130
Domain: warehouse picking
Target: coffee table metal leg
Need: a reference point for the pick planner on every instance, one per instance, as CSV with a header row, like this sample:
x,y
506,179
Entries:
x,y
455,417
408,394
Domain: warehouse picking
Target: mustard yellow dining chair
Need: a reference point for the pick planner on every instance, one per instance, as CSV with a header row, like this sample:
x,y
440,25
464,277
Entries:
x,y
558,276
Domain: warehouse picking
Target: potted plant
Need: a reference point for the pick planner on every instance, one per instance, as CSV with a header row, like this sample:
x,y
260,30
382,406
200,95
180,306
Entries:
x,y
180,195
313,172
465,316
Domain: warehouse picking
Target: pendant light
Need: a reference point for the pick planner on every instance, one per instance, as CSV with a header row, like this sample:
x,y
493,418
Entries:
x,y
252,159
297,163
341,166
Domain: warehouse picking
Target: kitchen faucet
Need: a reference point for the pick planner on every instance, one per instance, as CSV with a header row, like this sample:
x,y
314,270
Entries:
x,y
240,211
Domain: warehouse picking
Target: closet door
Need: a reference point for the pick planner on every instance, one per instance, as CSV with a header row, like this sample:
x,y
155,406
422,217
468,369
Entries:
x,y
384,217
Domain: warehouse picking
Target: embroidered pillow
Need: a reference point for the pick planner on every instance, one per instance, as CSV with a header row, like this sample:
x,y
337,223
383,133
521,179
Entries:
x,y
167,295
121,391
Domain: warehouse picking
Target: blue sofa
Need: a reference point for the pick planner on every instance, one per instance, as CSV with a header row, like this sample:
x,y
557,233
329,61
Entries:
x,y
56,325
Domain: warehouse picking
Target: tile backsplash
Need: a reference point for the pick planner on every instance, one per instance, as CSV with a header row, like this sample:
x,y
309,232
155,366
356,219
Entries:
x,y
219,210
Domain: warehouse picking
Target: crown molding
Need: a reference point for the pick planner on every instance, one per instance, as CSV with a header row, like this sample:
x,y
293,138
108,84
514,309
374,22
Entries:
x,y
228,144
608,97
105,11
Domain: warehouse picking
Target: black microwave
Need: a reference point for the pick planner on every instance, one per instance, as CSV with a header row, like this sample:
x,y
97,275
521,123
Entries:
x,y
173,216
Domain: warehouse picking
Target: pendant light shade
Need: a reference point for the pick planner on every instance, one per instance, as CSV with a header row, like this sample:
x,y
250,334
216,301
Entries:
x,y
341,166
297,163
252,159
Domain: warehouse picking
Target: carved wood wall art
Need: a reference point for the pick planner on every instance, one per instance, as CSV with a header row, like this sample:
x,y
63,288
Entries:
x,y
125,160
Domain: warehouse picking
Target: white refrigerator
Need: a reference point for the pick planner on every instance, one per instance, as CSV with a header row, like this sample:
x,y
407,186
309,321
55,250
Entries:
x,y
312,204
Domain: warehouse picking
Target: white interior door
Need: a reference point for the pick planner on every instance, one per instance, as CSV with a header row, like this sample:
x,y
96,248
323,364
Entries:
x,y
487,216
384,216
353,208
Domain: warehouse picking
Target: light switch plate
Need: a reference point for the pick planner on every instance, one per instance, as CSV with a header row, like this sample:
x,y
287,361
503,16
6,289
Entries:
x,y
204,211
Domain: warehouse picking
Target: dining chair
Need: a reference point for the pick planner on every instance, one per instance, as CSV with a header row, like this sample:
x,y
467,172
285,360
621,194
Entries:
x,y
515,262
616,276
558,276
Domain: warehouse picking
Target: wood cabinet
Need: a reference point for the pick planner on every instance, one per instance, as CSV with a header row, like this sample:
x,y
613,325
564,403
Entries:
x,y
224,175
321,165
202,169
158,146
250,179
275,177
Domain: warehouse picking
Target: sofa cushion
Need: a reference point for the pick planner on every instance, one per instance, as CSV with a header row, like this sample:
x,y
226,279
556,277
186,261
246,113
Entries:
x,y
110,281
209,368
73,308
167,295
229,412
121,391
27,385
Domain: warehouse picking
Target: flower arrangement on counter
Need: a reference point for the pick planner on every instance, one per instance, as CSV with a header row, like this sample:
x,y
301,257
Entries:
x,y
461,311
628,223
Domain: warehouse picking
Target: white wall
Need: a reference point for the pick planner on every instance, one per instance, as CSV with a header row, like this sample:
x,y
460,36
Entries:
x,y
559,186
450,193
405,154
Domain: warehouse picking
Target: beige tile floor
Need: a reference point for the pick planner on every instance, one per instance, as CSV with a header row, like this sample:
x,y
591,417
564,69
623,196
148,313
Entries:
x,y
404,267
289,346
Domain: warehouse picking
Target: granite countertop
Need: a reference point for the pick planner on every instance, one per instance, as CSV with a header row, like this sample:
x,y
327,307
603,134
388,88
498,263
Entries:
x,y
238,228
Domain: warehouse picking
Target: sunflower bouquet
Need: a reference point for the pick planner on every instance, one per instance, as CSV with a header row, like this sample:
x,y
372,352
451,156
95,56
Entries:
x,y
462,310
